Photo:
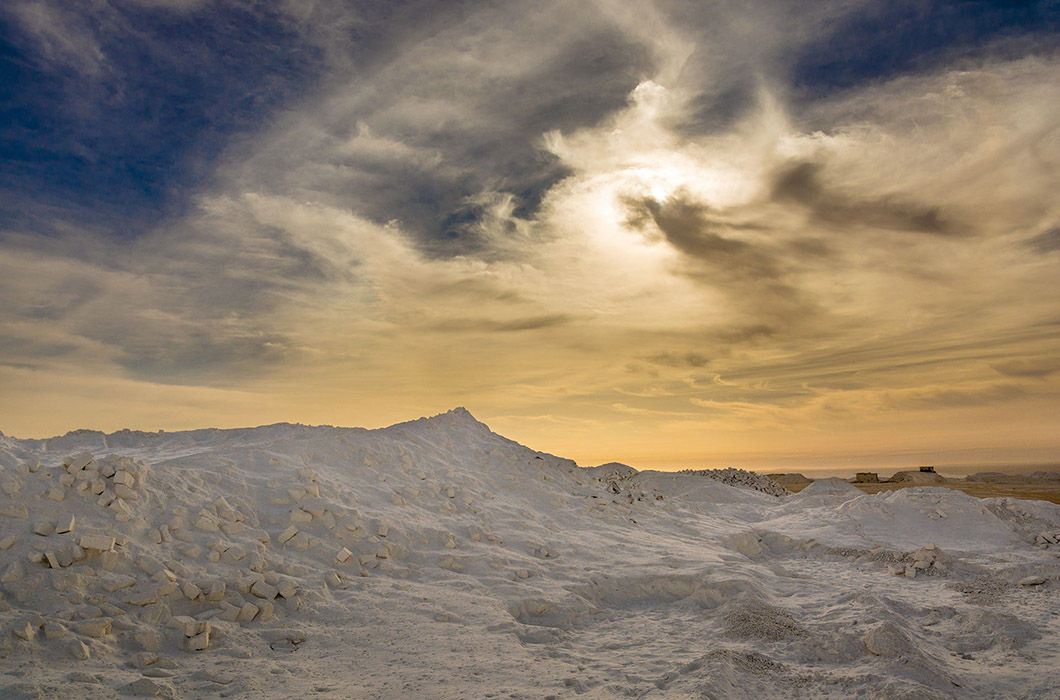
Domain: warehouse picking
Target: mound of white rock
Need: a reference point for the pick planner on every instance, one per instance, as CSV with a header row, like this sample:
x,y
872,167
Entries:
x,y
743,479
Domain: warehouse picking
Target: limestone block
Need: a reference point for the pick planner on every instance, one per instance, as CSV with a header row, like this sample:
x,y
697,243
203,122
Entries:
x,y
190,590
79,650
77,462
194,628
97,543
142,599
216,591
121,511
143,659
383,530
123,478
287,534
167,588
96,628
66,524
118,582
288,589
316,507
44,528
156,614
17,511
233,529
53,561
1032,581
106,468
301,542
300,517
65,557
343,555
25,631
67,480
229,612
200,642
122,491
247,613
268,610
54,630
235,553
260,589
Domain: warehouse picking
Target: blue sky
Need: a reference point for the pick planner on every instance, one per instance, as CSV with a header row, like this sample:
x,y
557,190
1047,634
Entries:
x,y
725,222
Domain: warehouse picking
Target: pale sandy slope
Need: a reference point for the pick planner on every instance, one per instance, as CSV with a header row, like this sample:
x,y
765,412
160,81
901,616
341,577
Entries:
x,y
437,559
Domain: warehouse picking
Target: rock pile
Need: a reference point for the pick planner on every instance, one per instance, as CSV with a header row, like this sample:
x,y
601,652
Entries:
x,y
1045,540
743,479
925,560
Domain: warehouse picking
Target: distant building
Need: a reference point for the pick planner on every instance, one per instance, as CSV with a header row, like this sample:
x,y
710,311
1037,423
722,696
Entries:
x,y
866,478
930,470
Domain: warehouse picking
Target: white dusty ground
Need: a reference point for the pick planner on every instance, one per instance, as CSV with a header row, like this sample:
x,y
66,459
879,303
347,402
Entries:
x,y
437,559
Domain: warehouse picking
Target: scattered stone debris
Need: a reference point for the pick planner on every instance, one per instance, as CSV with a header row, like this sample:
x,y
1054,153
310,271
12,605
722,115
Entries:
x,y
743,479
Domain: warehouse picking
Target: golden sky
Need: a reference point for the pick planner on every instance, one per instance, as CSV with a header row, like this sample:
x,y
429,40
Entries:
x,y
613,231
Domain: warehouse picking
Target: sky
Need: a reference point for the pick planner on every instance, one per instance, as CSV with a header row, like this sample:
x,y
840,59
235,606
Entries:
x,y
668,233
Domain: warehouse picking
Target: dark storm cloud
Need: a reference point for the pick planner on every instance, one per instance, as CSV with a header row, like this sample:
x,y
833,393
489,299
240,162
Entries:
x,y
679,360
801,184
425,135
752,274
1033,368
481,325
1046,242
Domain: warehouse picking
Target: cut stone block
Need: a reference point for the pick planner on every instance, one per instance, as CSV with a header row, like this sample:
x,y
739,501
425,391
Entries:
x,y
121,511
216,592
122,491
54,630
143,659
65,557
96,543
77,462
44,528
300,517
200,642
18,511
124,478
53,561
25,631
343,555
287,534
261,589
79,650
197,627
247,613
118,582
97,628
233,529
268,610
67,480
190,590
66,524
288,589
8,542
